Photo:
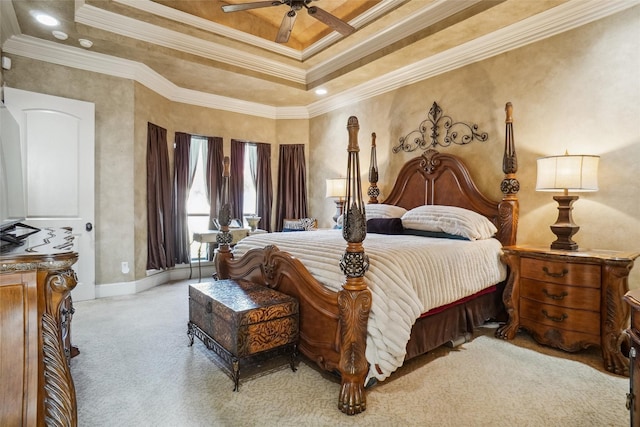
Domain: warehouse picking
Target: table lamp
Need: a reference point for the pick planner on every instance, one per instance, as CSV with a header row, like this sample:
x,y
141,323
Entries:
x,y
575,173
337,190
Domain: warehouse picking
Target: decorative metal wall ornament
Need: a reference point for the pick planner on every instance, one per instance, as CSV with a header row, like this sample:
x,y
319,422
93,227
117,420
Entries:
x,y
428,134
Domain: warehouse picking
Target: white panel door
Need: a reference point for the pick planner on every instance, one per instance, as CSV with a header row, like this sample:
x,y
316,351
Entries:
x,y
58,138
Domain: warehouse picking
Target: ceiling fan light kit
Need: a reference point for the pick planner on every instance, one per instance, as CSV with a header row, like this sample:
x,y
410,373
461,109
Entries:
x,y
289,19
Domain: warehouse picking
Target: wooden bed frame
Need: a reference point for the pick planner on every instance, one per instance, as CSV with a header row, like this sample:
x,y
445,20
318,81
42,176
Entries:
x,y
333,324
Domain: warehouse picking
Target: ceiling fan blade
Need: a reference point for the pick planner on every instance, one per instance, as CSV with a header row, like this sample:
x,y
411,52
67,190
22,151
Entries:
x,y
252,5
286,26
332,21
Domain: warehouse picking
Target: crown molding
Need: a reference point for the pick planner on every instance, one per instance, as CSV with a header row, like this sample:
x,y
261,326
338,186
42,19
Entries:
x,y
368,16
8,21
158,9
562,18
210,26
55,53
425,17
129,27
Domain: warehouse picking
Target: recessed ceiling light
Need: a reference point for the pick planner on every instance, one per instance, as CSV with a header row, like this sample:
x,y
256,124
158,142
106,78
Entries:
x,y
85,43
45,19
60,35
321,91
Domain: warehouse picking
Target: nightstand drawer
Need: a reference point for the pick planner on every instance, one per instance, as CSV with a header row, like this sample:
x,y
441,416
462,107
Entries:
x,y
561,295
561,272
560,338
560,317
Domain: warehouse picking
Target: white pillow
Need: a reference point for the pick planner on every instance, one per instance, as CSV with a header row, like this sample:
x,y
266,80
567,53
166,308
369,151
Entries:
x,y
384,211
449,219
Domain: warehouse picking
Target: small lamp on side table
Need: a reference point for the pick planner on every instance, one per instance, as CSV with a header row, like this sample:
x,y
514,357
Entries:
x,y
575,173
337,190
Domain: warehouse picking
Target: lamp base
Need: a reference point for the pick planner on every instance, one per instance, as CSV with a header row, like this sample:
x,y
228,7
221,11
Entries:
x,y
339,208
565,228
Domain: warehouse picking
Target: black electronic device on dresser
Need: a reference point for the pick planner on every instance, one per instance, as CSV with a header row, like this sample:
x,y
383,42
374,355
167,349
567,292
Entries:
x,y
14,234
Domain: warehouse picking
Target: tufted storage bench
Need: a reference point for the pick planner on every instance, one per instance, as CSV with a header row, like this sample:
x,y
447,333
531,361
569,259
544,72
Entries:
x,y
242,322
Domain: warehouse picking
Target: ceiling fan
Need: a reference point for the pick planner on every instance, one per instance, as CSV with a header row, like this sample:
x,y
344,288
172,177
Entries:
x,y
290,17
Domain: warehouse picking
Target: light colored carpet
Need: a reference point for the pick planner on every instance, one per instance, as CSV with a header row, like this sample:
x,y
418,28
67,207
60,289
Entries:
x,y
136,369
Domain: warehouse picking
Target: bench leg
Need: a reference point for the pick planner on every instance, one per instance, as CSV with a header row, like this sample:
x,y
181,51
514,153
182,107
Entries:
x,y
236,374
190,333
294,357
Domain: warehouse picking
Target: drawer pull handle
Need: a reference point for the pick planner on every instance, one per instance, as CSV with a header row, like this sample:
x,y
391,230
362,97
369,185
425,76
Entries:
x,y
555,297
548,273
553,318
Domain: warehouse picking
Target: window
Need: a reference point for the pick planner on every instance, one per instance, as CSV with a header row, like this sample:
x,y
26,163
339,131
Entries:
x,y
250,196
197,202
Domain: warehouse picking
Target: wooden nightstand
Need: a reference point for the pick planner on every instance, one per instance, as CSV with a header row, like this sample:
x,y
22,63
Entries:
x,y
633,401
570,299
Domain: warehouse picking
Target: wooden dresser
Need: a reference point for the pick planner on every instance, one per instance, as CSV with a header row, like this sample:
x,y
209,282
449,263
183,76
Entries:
x,y
570,299
36,279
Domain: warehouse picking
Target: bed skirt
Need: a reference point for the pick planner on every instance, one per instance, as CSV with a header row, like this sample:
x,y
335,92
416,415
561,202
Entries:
x,y
432,331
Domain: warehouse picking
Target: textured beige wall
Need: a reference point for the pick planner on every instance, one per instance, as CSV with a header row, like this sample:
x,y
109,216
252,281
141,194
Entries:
x,y
577,91
113,98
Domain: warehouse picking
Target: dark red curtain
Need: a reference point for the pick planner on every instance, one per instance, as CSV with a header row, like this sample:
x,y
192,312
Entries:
x,y
292,184
214,155
182,180
159,201
236,184
264,188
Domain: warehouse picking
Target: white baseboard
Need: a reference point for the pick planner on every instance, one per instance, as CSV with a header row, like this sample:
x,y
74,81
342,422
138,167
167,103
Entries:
x,y
158,277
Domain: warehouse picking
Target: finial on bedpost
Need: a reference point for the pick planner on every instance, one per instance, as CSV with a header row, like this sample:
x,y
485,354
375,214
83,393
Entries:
x,y
373,191
354,299
224,238
510,186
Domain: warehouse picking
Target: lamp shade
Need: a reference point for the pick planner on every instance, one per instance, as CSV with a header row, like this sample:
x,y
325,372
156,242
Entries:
x,y
337,188
568,172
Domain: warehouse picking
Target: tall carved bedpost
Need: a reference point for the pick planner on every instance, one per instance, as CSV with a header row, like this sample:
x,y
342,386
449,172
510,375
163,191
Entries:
x,y
508,210
224,238
354,299
509,207
373,191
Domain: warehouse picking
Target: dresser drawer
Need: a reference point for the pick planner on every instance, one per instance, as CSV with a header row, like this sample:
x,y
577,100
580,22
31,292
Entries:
x,y
568,319
561,295
561,272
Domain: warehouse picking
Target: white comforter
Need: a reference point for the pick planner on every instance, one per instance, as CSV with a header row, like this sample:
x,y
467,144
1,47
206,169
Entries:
x,y
407,276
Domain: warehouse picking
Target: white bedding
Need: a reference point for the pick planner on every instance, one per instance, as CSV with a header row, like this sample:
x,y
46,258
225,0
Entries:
x,y
407,276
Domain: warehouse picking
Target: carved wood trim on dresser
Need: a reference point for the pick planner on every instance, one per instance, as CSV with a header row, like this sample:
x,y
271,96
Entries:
x,y
36,279
570,299
633,403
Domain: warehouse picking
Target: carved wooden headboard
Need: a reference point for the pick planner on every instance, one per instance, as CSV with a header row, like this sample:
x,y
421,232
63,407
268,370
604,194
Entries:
x,y
435,178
